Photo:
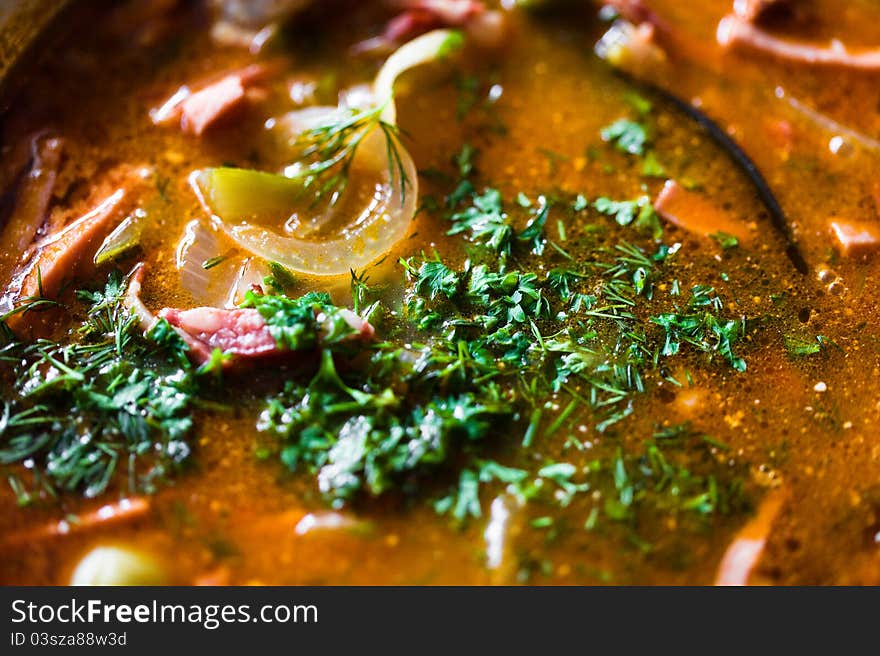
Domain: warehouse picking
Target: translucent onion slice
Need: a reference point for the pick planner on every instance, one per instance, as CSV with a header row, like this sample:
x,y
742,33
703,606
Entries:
x,y
259,211
198,245
250,273
429,47
306,221
218,285
243,202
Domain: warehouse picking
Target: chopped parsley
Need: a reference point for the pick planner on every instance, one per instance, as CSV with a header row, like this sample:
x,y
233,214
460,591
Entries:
x,y
639,212
627,136
702,328
487,223
725,240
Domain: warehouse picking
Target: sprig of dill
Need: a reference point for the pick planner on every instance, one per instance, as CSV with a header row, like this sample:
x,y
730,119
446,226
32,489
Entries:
x,y
330,148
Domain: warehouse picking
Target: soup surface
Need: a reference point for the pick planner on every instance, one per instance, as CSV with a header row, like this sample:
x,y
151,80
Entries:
x,y
562,318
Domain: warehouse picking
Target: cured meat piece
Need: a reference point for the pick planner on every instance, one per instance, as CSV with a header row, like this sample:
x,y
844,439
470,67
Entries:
x,y
59,256
212,103
856,238
48,266
239,333
735,31
242,334
32,196
484,28
695,213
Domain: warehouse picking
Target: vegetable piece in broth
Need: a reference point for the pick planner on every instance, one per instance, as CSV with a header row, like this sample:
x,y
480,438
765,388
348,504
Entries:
x,y
374,210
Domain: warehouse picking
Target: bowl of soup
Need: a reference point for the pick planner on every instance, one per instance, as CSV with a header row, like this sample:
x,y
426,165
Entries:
x,y
453,292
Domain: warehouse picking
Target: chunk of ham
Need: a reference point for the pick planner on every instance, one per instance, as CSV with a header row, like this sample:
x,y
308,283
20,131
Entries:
x,y
409,24
60,256
199,349
242,333
745,551
450,12
50,264
736,31
856,238
212,103
239,333
485,28
207,107
756,10
695,213
35,192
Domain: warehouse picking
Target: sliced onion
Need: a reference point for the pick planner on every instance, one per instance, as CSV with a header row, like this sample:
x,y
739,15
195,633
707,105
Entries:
x,y
261,212
359,96
250,272
240,196
429,47
305,221
198,245
296,122
195,247
124,237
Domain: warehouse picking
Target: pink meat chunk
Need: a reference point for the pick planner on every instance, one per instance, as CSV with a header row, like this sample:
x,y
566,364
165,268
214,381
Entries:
x,y
695,213
855,237
735,31
449,12
62,254
66,254
212,102
241,333
485,28
206,107
35,194
409,23
48,266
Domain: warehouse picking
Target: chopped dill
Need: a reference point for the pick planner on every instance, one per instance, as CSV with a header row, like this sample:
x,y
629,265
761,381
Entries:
x,y
110,397
329,150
